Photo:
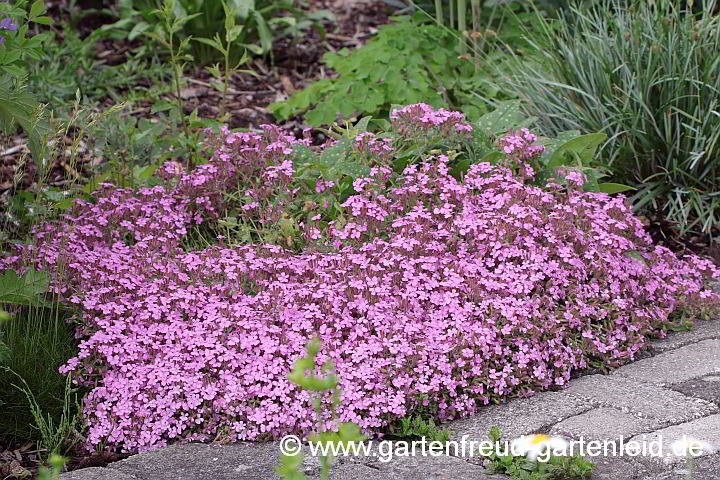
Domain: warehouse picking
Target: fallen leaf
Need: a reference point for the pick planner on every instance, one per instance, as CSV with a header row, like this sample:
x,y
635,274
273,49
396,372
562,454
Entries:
x,y
287,84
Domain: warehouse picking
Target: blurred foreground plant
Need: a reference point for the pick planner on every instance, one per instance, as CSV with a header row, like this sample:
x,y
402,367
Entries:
x,y
303,375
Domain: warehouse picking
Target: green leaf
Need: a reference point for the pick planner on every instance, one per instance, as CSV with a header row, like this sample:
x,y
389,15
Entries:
x,y
613,188
25,289
493,157
213,43
232,34
18,106
13,70
42,20
264,32
138,30
582,148
37,8
144,173
163,106
505,117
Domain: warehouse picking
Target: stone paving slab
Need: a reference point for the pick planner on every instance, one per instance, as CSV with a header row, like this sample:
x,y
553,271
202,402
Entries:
x,y
96,473
703,468
202,462
257,461
415,468
621,468
602,424
519,416
661,405
702,330
706,429
676,366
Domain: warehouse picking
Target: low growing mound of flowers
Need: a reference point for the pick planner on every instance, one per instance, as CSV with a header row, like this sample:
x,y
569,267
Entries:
x,y
430,294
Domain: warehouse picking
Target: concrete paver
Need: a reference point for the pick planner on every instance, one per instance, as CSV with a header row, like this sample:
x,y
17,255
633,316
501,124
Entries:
x,y
602,424
676,366
661,406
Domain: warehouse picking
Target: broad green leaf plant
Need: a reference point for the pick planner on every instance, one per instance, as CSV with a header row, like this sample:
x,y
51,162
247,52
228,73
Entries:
x,y
17,48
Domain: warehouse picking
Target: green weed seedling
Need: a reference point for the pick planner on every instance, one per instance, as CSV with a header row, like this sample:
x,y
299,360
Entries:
x,y
303,375
417,426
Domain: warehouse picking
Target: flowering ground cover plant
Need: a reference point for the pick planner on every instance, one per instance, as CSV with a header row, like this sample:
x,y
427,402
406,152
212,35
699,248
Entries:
x,y
431,294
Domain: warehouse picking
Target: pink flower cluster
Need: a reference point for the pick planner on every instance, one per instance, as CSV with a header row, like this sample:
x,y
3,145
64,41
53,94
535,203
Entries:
x,y
438,295
369,143
519,145
421,117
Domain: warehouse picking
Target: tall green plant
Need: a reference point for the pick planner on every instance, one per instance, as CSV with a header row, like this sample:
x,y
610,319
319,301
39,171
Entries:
x,y
257,23
649,77
172,21
232,32
304,374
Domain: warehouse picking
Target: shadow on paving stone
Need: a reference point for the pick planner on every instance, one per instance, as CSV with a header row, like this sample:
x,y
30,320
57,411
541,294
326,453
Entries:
x,y
706,388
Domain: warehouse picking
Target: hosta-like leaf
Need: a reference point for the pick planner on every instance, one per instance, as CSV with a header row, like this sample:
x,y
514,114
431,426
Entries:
x,y
582,148
23,289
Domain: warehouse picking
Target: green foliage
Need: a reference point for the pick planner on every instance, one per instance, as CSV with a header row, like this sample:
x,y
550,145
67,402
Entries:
x,y
57,463
33,344
232,33
256,23
25,289
521,468
417,426
17,106
407,62
18,48
38,403
304,375
567,150
338,163
53,436
649,77
71,65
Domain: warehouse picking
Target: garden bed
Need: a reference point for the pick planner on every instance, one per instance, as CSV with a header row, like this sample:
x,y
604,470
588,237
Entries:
x,y
432,296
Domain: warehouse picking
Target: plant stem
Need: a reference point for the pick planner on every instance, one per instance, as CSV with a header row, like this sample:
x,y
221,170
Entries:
x,y
227,81
461,11
451,9
439,12
476,14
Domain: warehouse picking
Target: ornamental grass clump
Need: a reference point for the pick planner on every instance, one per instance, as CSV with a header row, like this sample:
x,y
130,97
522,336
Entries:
x,y
433,296
648,75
